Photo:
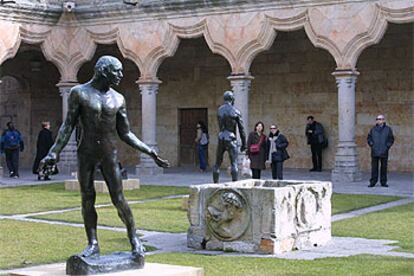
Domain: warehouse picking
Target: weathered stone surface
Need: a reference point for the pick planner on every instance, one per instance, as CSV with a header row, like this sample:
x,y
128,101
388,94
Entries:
x,y
101,187
260,216
118,261
150,269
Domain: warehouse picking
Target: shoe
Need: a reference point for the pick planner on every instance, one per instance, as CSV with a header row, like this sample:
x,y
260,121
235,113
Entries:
x,y
16,176
319,170
371,185
39,177
11,174
47,178
384,185
312,170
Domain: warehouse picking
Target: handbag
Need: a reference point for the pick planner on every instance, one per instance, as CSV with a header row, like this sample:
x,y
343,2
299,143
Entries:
x,y
255,148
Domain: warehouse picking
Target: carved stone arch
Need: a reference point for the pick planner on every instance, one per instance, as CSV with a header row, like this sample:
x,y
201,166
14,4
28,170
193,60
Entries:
x,y
68,47
397,11
346,30
9,40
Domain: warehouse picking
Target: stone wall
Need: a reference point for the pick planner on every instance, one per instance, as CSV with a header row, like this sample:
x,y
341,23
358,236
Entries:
x,y
292,80
34,99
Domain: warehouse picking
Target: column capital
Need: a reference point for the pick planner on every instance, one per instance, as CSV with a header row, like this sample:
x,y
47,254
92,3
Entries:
x,y
236,77
65,84
154,80
345,73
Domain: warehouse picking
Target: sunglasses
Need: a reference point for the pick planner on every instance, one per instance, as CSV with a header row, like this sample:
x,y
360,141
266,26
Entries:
x,y
273,128
380,119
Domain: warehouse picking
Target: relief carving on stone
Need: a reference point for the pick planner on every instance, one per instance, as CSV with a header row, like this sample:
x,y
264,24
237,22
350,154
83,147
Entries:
x,y
228,214
308,208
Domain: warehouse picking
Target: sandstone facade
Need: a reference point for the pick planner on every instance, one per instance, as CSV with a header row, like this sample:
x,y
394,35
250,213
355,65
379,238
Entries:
x,y
274,42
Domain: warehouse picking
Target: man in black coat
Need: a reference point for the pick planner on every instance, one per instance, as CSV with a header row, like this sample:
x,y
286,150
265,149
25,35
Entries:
x,y
44,143
315,135
380,139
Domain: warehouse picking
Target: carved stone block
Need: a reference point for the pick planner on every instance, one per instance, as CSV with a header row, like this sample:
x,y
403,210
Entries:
x,y
259,216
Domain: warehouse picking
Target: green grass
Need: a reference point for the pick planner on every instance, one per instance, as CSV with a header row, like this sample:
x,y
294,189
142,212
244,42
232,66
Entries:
x,y
161,215
54,196
27,243
167,215
342,203
229,266
392,224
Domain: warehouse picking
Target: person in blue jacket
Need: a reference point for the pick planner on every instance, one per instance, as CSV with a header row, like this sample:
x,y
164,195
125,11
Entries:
x,y
11,143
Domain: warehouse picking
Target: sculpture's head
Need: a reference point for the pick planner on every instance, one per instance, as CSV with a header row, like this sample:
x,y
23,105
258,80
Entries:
x,y
229,97
110,69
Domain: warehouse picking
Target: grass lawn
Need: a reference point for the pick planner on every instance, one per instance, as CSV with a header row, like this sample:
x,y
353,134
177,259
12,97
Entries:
x,y
393,224
161,215
27,243
38,198
167,215
342,203
356,265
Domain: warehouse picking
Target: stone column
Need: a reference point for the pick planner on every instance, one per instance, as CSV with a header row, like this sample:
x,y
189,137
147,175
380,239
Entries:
x,y
68,156
240,85
346,158
149,92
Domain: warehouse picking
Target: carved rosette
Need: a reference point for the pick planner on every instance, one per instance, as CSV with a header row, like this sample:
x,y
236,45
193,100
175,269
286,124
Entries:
x,y
228,214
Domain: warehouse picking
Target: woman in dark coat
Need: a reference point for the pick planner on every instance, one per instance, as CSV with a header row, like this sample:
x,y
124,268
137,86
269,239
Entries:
x,y
276,151
257,157
44,143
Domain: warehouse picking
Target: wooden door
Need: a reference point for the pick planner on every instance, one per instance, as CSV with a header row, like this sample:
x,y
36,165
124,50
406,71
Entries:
x,y
188,121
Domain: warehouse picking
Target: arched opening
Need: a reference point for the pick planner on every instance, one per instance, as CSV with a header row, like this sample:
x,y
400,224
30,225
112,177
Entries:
x,y
28,96
386,86
193,82
129,89
293,80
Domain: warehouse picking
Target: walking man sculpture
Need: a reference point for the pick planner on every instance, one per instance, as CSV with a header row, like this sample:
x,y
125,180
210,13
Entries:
x,y
229,118
101,112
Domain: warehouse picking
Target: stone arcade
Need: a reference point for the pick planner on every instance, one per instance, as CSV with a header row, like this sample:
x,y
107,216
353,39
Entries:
x,y
183,54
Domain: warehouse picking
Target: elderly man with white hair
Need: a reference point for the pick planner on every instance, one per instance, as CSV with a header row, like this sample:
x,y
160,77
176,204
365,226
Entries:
x,y
380,139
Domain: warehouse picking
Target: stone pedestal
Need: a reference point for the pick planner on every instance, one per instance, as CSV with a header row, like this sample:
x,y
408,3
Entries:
x,y
117,261
68,156
149,92
346,159
100,185
150,269
258,216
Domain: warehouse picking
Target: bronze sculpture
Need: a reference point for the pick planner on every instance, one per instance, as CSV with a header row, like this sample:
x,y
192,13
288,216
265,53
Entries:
x,y
229,118
101,113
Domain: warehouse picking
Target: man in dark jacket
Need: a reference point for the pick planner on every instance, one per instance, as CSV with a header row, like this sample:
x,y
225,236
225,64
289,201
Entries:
x,y
380,139
11,144
316,139
44,143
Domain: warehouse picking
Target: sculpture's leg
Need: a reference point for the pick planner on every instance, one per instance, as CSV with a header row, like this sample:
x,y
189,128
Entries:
x,y
219,159
112,175
86,171
233,154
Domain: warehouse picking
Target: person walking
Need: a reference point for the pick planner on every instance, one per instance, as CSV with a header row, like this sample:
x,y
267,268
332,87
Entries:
x,y
11,143
256,150
316,139
202,140
44,143
276,151
380,139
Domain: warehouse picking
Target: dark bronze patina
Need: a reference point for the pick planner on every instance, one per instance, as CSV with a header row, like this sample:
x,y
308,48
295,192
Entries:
x,y
101,113
229,118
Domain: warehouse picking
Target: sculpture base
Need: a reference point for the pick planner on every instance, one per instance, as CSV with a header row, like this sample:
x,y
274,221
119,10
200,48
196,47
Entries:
x,y
117,261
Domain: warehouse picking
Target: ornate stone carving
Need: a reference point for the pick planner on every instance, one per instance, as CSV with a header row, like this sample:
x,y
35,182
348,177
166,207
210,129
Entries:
x,y
228,214
260,216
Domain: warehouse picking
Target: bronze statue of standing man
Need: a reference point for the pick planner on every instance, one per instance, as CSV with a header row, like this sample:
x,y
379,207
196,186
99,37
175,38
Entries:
x,y
101,113
229,118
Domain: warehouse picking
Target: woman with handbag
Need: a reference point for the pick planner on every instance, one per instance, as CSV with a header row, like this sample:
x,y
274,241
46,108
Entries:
x,y
256,150
277,153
